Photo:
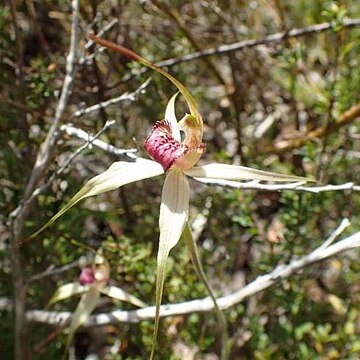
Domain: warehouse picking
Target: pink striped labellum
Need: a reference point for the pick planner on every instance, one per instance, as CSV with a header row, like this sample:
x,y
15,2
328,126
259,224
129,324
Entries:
x,y
167,151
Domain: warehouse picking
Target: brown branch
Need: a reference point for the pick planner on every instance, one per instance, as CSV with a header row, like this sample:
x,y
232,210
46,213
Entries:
x,y
32,12
270,39
18,217
346,118
176,18
280,272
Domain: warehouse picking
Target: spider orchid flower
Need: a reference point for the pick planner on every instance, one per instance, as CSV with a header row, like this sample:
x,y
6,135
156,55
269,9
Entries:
x,y
174,157
93,281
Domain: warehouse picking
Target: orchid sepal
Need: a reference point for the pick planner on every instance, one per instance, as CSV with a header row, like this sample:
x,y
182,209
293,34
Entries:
x,y
67,290
86,306
118,174
238,173
174,214
119,294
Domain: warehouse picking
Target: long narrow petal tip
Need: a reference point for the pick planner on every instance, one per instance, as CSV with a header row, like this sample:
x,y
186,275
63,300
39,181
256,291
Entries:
x,y
238,173
174,212
118,174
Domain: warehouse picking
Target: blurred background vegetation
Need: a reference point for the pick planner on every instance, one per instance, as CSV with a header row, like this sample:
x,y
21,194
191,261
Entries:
x,y
252,101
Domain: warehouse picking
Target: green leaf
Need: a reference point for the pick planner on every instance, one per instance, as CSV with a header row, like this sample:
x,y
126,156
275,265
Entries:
x,y
66,291
174,211
234,172
119,294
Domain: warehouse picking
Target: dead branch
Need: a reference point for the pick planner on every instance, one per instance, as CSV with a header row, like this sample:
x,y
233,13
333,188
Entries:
x,y
261,283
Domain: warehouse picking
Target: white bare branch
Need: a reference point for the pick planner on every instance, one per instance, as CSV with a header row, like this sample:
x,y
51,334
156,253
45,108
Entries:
x,y
124,97
204,305
295,186
71,130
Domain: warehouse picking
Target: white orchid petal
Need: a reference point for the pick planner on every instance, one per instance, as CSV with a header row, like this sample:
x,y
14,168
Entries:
x,y
119,294
174,211
118,174
234,172
170,116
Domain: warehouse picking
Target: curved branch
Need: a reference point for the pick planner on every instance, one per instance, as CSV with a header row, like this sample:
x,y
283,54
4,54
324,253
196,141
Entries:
x,y
298,186
273,38
206,304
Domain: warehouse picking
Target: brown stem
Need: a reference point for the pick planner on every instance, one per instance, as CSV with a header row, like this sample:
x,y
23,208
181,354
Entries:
x,y
176,18
18,217
42,41
267,40
237,97
21,345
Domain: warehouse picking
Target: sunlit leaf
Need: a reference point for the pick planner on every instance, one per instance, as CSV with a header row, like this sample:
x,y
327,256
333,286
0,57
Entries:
x,y
66,291
234,172
119,294
119,173
173,217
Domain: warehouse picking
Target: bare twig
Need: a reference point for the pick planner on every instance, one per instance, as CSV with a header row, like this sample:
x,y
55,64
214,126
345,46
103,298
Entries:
x,y
89,140
247,44
343,225
297,186
45,152
273,38
69,160
18,217
52,270
124,97
70,130
106,28
204,305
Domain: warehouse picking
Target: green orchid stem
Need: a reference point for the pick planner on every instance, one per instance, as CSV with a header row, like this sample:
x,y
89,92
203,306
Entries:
x,y
187,235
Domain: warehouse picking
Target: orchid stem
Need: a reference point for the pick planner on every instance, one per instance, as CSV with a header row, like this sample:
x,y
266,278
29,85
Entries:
x,y
195,258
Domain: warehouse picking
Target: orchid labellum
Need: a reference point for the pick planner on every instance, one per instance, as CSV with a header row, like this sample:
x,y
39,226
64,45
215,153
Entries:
x,y
176,158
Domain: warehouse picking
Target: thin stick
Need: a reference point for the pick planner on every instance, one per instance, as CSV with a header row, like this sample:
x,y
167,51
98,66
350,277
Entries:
x,y
124,97
270,39
206,304
17,218
298,186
